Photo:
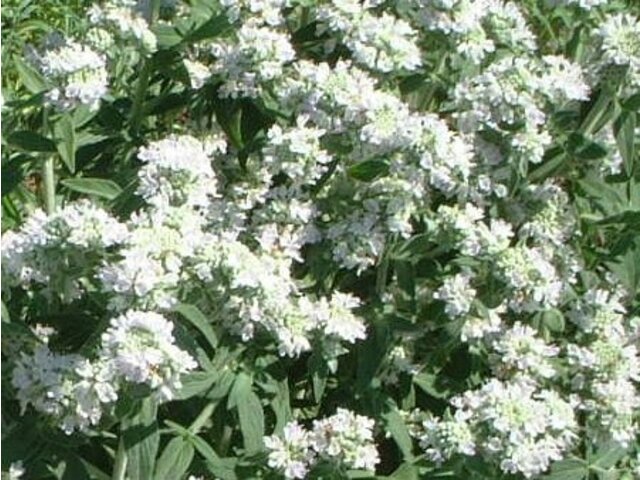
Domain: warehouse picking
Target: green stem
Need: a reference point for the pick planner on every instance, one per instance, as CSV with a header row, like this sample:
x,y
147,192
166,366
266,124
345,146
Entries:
x,y
120,466
49,184
48,172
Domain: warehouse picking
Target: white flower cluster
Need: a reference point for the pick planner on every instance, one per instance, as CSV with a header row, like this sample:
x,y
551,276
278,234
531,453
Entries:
x,y
177,171
383,43
257,290
76,73
512,93
47,248
620,45
69,388
268,11
606,369
344,438
137,348
150,265
476,27
519,348
142,350
524,427
123,18
296,152
256,57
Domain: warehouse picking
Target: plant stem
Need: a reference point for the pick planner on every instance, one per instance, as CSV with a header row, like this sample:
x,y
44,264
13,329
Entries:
x,y
49,184
48,174
120,466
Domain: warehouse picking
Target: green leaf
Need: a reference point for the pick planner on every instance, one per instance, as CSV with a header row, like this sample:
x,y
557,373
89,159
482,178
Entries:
x,y
100,187
30,78
399,431
427,383
5,317
141,440
597,114
624,129
241,388
224,468
210,29
166,35
627,267
198,320
608,456
569,469
251,417
583,148
196,383
369,170
174,460
281,405
64,132
31,142
406,471
553,320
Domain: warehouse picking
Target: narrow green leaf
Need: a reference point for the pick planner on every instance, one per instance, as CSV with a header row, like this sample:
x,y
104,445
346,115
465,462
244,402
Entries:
x,y
569,469
427,382
30,78
141,440
251,417
100,187
31,142
369,170
406,471
198,320
6,318
64,132
224,468
174,460
399,431
210,29
624,129
241,388
167,35
196,383
598,111
583,148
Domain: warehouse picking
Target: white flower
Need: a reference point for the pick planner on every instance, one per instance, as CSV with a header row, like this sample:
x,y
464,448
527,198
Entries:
x,y
335,317
177,171
291,453
520,348
69,388
502,421
16,470
141,347
457,294
123,18
45,247
77,73
346,437
620,35
198,72
257,56
478,327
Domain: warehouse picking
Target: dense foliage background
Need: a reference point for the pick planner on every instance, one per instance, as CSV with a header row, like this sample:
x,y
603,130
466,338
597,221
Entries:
x,y
255,239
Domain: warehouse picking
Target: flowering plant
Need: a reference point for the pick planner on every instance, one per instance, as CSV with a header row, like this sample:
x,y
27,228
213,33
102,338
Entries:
x,y
321,239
